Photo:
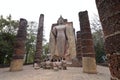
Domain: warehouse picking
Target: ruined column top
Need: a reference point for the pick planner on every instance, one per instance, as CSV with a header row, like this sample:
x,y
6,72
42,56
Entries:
x,y
83,13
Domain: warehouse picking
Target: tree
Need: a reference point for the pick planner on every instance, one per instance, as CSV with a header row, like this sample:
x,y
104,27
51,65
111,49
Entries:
x,y
45,50
8,25
8,29
98,39
30,42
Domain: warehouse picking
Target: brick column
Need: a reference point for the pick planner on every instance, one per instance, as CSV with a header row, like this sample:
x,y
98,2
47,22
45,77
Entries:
x,y
109,12
19,47
88,59
38,52
78,47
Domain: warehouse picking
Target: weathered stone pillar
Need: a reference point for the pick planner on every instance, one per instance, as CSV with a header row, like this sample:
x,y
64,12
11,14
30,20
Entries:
x,y
109,12
38,52
78,47
88,59
19,48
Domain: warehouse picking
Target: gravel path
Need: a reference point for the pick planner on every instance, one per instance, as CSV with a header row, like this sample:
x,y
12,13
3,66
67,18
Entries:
x,y
72,73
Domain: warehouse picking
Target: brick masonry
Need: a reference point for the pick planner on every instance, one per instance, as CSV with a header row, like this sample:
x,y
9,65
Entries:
x,y
109,12
88,56
19,46
39,40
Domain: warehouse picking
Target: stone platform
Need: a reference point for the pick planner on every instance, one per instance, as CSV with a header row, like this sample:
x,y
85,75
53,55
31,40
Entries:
x,y
72,73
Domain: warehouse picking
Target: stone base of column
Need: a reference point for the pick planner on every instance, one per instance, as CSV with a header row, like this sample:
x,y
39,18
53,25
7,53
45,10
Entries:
x,y
16,65
89,65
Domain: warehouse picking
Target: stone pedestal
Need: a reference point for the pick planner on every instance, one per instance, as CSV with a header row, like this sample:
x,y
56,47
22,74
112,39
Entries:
x,y
109,12
19,47
88,56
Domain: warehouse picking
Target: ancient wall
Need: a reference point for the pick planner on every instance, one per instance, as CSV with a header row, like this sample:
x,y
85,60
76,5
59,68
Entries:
x,y
109,12
88,59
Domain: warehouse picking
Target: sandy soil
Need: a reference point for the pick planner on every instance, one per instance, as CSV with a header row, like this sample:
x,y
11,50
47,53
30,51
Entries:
x,y
72,73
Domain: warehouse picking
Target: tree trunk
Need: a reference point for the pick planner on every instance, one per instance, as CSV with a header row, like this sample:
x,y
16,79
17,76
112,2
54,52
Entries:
x,y
109,12
38,52
19,47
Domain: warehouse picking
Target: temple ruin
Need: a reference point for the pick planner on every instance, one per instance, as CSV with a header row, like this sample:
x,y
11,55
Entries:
x,y
67,49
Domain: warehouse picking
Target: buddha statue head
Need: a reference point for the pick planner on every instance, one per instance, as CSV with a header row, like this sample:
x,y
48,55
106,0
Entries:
x,y
60,20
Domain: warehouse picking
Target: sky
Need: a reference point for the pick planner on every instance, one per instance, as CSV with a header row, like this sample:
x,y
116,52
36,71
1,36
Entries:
x,y
52,9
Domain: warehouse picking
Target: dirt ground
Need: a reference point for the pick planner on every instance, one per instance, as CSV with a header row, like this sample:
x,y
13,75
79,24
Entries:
x,y
72,73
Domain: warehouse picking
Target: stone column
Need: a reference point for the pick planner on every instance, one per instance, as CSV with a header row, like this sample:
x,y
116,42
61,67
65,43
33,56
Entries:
x,y
38,52
19,47
88,59
78,47
109,12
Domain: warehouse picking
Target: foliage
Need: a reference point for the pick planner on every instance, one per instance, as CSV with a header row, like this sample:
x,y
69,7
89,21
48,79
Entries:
x,y
45,51
98,39
8,30
7,37
99,47
30,43
8,25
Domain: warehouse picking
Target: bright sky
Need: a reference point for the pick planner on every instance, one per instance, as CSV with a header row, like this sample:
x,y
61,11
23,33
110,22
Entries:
x,y
52,9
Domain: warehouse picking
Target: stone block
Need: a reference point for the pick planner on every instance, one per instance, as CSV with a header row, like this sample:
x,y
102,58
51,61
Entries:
x,y
16,65
89,65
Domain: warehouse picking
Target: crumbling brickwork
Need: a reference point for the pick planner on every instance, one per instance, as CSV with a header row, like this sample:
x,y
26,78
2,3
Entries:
x,y
39,40
109,12
78,46
88,60
19,46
